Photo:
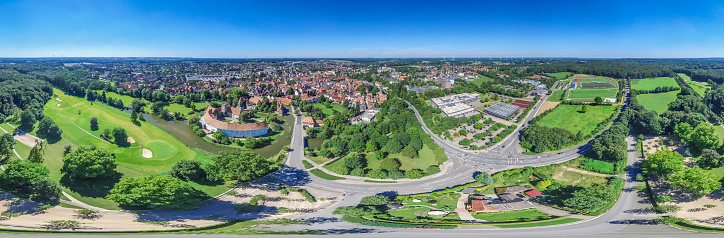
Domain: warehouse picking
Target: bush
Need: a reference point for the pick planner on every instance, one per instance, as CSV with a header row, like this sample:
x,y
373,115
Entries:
x,y
307,195
667,208
187,170
375,200
597,166
664,198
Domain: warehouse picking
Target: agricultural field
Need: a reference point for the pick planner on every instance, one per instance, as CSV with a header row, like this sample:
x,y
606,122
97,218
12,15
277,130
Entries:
x,y
73,116
658,102
653,83
559,75
571,118
699,87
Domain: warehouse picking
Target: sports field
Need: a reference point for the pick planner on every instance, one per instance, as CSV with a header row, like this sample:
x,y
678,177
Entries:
x,y
658,102
593,93
652,83
699,87
73,116
570,118
559,75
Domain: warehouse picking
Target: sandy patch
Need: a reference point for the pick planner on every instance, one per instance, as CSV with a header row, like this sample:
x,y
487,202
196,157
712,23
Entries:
x,y
58,99
147,153
131,140
293,200
58,105
547,105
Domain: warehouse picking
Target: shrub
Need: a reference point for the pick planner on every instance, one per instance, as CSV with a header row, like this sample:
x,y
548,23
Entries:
x,y
667,208
307,195
375,200
256,198
664,198
709,206
597,166
187,170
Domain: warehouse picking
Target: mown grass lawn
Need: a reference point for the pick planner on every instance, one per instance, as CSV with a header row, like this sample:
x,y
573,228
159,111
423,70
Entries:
x,y
481,79
326,110
175,107
658,102
322,174
522,215
719,130
699,87
73,118
541,223
556,96
570,118
653,83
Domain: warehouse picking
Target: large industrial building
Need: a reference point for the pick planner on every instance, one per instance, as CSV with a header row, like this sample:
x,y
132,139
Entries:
x,y
502,110
455,105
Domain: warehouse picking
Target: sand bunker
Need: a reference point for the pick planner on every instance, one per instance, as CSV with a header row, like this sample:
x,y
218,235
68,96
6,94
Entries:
x,y
58,104
130,140
147,153
58,99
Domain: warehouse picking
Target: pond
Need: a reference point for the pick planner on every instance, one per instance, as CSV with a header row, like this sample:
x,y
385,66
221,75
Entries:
x,y
182,131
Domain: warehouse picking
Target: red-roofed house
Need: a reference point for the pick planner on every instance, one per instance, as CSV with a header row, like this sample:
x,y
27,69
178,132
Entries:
x,y
533,193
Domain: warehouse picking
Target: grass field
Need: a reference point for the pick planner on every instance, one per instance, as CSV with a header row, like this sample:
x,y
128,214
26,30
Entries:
x,y
414,212
568,177
719,131
699,87
522,215
322,174
426,159
556,96
658,102
652,83
127,100
559,75
326,110
593,93
568,117
481,79
73,118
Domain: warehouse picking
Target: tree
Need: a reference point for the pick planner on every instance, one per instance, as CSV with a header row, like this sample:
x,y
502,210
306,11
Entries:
x,y
21,173
7,143
45,190
36,156
156,192
696,181
377,174
187,170
479,125
390,164
94,124
663,162
703,137
375,200
709,159
236,165
89,162
354,160
393,146
371,146
683,131
598,100
120,136
134,116
584,108
414,174
48,129
27,120
484,178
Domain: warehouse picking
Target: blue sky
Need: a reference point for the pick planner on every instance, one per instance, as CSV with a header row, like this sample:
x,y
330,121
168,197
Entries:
x,y
342,28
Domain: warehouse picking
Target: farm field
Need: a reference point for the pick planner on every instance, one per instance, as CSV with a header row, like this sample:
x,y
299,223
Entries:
x,y
568,117
593,93
481,79
658,102
699,87
73,118
653,83
559,75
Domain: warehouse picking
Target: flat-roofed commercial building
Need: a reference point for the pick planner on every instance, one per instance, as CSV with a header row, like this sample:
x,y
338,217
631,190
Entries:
x,y
451,100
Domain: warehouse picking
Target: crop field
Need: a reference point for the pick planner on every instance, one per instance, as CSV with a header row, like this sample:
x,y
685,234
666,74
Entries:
x,y
73,116
658,102
699,87
653,83
570,118
593,93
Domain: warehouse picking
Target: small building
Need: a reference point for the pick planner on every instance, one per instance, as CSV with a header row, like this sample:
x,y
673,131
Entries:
x,y
516,189
309,121
509,197
533,193
477,204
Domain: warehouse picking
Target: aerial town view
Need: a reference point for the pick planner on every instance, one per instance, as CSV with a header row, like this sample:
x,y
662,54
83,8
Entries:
x,y
361,119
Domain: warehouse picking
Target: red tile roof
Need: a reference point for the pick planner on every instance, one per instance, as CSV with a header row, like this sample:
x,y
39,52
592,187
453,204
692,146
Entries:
x,y
533,193
210,119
